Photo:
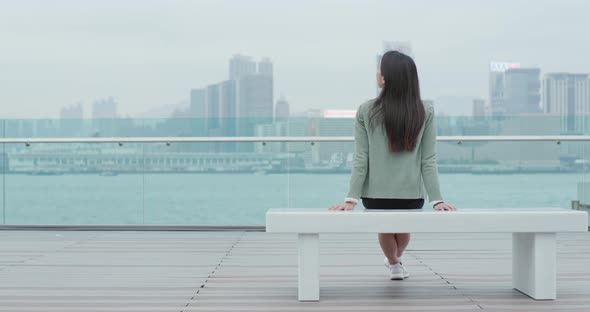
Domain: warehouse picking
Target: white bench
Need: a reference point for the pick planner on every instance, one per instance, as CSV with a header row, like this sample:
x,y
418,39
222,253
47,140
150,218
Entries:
x,y
533,239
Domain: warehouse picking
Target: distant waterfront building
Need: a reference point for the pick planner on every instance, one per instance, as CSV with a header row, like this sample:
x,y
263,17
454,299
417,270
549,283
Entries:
x,y
265,67
282,109
567,95
72,112
255,102
104,118
71,120
522,91
241,65
198,106
104,109
235,106
479,108
252,92
229,105
198,112
496,86
213,100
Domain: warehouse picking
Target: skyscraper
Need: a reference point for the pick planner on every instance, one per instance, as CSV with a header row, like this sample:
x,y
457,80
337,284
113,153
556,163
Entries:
x,y
253,92
198,106
255,99
522,90
265,67
229,107
72,122
479,108
198,112
237,105
241,65
213,100
496,86
104,109
104,113
282,109
72,112
568,96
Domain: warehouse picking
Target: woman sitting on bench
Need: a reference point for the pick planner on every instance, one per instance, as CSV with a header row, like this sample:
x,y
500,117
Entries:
x,y
395,153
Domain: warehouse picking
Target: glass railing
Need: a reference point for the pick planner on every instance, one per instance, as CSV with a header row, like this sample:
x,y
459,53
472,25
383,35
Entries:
x,y
175,176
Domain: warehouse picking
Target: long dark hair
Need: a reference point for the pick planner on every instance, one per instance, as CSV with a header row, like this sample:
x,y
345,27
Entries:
x,y
399,107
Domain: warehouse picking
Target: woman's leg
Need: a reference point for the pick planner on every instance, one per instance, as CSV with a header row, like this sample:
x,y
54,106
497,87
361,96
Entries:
x,y
402,240
389,247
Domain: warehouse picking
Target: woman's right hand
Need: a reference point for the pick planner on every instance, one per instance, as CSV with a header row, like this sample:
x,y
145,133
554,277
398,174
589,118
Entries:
x,y
444,207
347,206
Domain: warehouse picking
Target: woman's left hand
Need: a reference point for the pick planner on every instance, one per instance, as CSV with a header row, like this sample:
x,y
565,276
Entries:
x,y
345,207
444,207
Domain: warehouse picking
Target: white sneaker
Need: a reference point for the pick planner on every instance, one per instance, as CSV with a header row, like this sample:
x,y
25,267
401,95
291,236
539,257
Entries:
x,y
406,274
396,271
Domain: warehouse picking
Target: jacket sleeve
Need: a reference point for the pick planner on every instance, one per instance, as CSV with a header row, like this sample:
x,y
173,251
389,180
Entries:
x,y
429,168
360,163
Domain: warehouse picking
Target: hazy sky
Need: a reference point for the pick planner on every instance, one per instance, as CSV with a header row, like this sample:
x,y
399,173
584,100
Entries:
x,y
151,53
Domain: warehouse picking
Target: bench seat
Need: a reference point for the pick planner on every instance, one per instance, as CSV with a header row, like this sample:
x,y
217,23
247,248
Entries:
x,y
533,244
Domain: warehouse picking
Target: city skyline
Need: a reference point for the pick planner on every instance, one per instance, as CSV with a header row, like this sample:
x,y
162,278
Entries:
x,y
515,101
144,64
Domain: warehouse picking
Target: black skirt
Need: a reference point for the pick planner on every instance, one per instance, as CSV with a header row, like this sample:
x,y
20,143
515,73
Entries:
x,y
392,203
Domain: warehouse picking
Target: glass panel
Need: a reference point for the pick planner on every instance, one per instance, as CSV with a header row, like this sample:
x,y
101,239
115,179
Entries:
x,y
3,169
320,173
235,183
581,160
498,125
506,174
78,183
205,184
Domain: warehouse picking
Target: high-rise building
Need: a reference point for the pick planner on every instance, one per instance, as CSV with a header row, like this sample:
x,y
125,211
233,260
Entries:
x,y
255,97
282,109
496,86
265,67
253,92
72,112
236,106
255,102
241,65
198,106
479,108
72,122
568,96
229,107
198,112
104,109
522,90
104,114
213,100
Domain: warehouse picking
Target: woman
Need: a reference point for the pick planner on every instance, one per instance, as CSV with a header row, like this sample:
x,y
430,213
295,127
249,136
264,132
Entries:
x,y
395,153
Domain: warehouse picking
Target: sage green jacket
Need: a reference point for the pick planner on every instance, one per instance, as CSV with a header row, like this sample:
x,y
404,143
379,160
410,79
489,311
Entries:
x,y
379,173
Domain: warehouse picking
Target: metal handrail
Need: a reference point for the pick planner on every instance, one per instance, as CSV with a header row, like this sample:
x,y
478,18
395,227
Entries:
x,y
458,139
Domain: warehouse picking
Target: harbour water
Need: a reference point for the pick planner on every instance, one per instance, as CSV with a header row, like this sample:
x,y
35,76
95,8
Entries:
x,y
240,199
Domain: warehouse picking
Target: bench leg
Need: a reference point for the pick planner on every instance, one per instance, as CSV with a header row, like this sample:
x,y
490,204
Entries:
x,y
309,267
534,264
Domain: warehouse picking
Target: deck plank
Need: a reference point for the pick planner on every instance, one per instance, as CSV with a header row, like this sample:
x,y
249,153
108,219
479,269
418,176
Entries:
x,y
254,271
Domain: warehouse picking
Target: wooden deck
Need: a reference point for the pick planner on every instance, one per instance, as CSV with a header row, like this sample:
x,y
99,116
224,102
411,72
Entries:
x,y
254,271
